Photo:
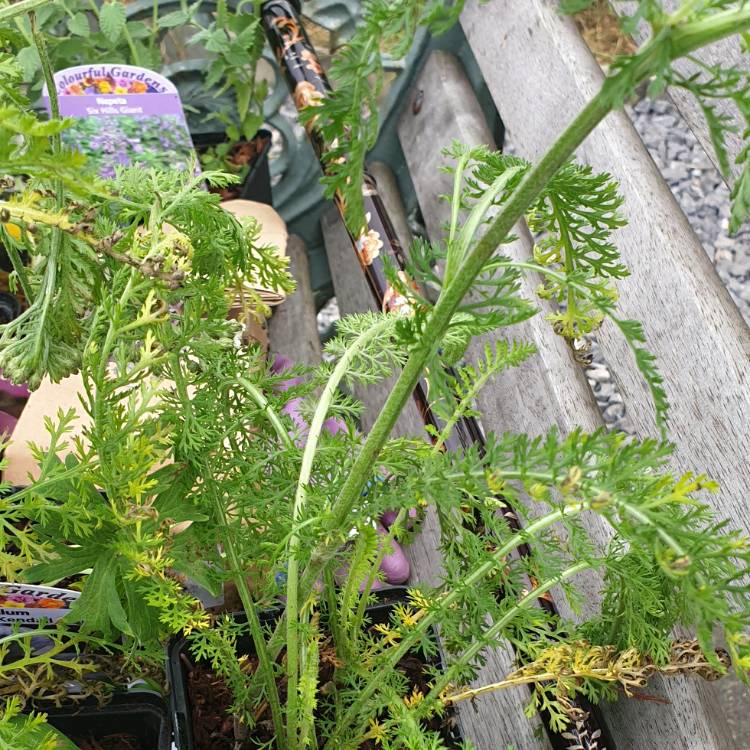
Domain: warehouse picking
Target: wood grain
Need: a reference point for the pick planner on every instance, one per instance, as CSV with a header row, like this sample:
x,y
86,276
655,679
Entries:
x,y
499,719
540,74
293,330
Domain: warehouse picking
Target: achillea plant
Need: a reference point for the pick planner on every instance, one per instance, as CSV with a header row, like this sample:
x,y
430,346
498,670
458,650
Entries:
x,y
191,468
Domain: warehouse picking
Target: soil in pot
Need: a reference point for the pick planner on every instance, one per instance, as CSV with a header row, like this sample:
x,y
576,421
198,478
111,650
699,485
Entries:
x,y
203,700
215,729
250,160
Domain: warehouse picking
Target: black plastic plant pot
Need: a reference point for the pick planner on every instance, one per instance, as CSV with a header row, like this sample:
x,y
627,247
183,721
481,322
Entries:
x,y
10,307
142,717
257,184
180,662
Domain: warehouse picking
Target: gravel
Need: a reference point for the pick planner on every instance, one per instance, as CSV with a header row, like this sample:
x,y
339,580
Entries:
x,y
700,191
327,316
704,198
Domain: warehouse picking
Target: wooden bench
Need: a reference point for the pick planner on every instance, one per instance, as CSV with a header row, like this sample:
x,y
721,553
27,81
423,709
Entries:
x,y
540,73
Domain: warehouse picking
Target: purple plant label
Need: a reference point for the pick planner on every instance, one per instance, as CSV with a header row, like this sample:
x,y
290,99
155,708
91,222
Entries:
x,y
123,116
26,605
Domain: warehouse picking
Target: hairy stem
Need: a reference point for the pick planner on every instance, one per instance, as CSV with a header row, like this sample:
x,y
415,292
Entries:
x,y
532,184
265,662
50,275
300,499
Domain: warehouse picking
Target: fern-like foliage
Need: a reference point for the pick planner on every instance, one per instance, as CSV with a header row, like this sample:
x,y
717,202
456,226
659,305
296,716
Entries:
x,y
195,464
574,218
371,363
347,117
710,84
453,395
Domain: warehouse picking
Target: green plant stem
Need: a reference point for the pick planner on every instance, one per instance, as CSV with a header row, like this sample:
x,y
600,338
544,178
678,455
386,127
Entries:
x,y
692,36
154,25
497,628
685,39
20,270
532,184
455,210
256,394
300,499
265,662
97,397
50,275
568,256
18,9
595,490
329,592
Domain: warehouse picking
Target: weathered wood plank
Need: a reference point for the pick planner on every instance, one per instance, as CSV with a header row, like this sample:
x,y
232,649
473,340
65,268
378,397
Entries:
x,y
540,74
495,721
292,329
727,53
450,110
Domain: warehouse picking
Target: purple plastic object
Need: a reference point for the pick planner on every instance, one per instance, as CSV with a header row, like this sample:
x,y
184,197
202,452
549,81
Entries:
x,y
7,423
395,566
389,517
280,365
17,391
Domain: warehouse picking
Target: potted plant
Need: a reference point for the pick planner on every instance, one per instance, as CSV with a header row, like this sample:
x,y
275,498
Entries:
x,y
224,101
201,683
191,469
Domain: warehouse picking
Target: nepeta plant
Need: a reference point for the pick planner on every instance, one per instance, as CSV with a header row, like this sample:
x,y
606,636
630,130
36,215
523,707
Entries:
x,y
192,468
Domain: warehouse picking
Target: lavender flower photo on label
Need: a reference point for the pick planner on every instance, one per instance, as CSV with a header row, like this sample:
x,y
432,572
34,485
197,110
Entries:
x,y
159,141
124,115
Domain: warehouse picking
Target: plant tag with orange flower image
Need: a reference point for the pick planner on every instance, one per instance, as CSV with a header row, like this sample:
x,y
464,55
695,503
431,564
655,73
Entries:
x,y
26,605
124,116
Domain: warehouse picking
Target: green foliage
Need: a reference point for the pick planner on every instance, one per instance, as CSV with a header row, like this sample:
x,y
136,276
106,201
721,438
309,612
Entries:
x,y
28,732
111,20
192,464
81,32
454,394
347,117
369,365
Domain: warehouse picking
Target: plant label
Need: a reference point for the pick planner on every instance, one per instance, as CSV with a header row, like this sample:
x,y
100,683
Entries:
x,y
123,115
27,605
